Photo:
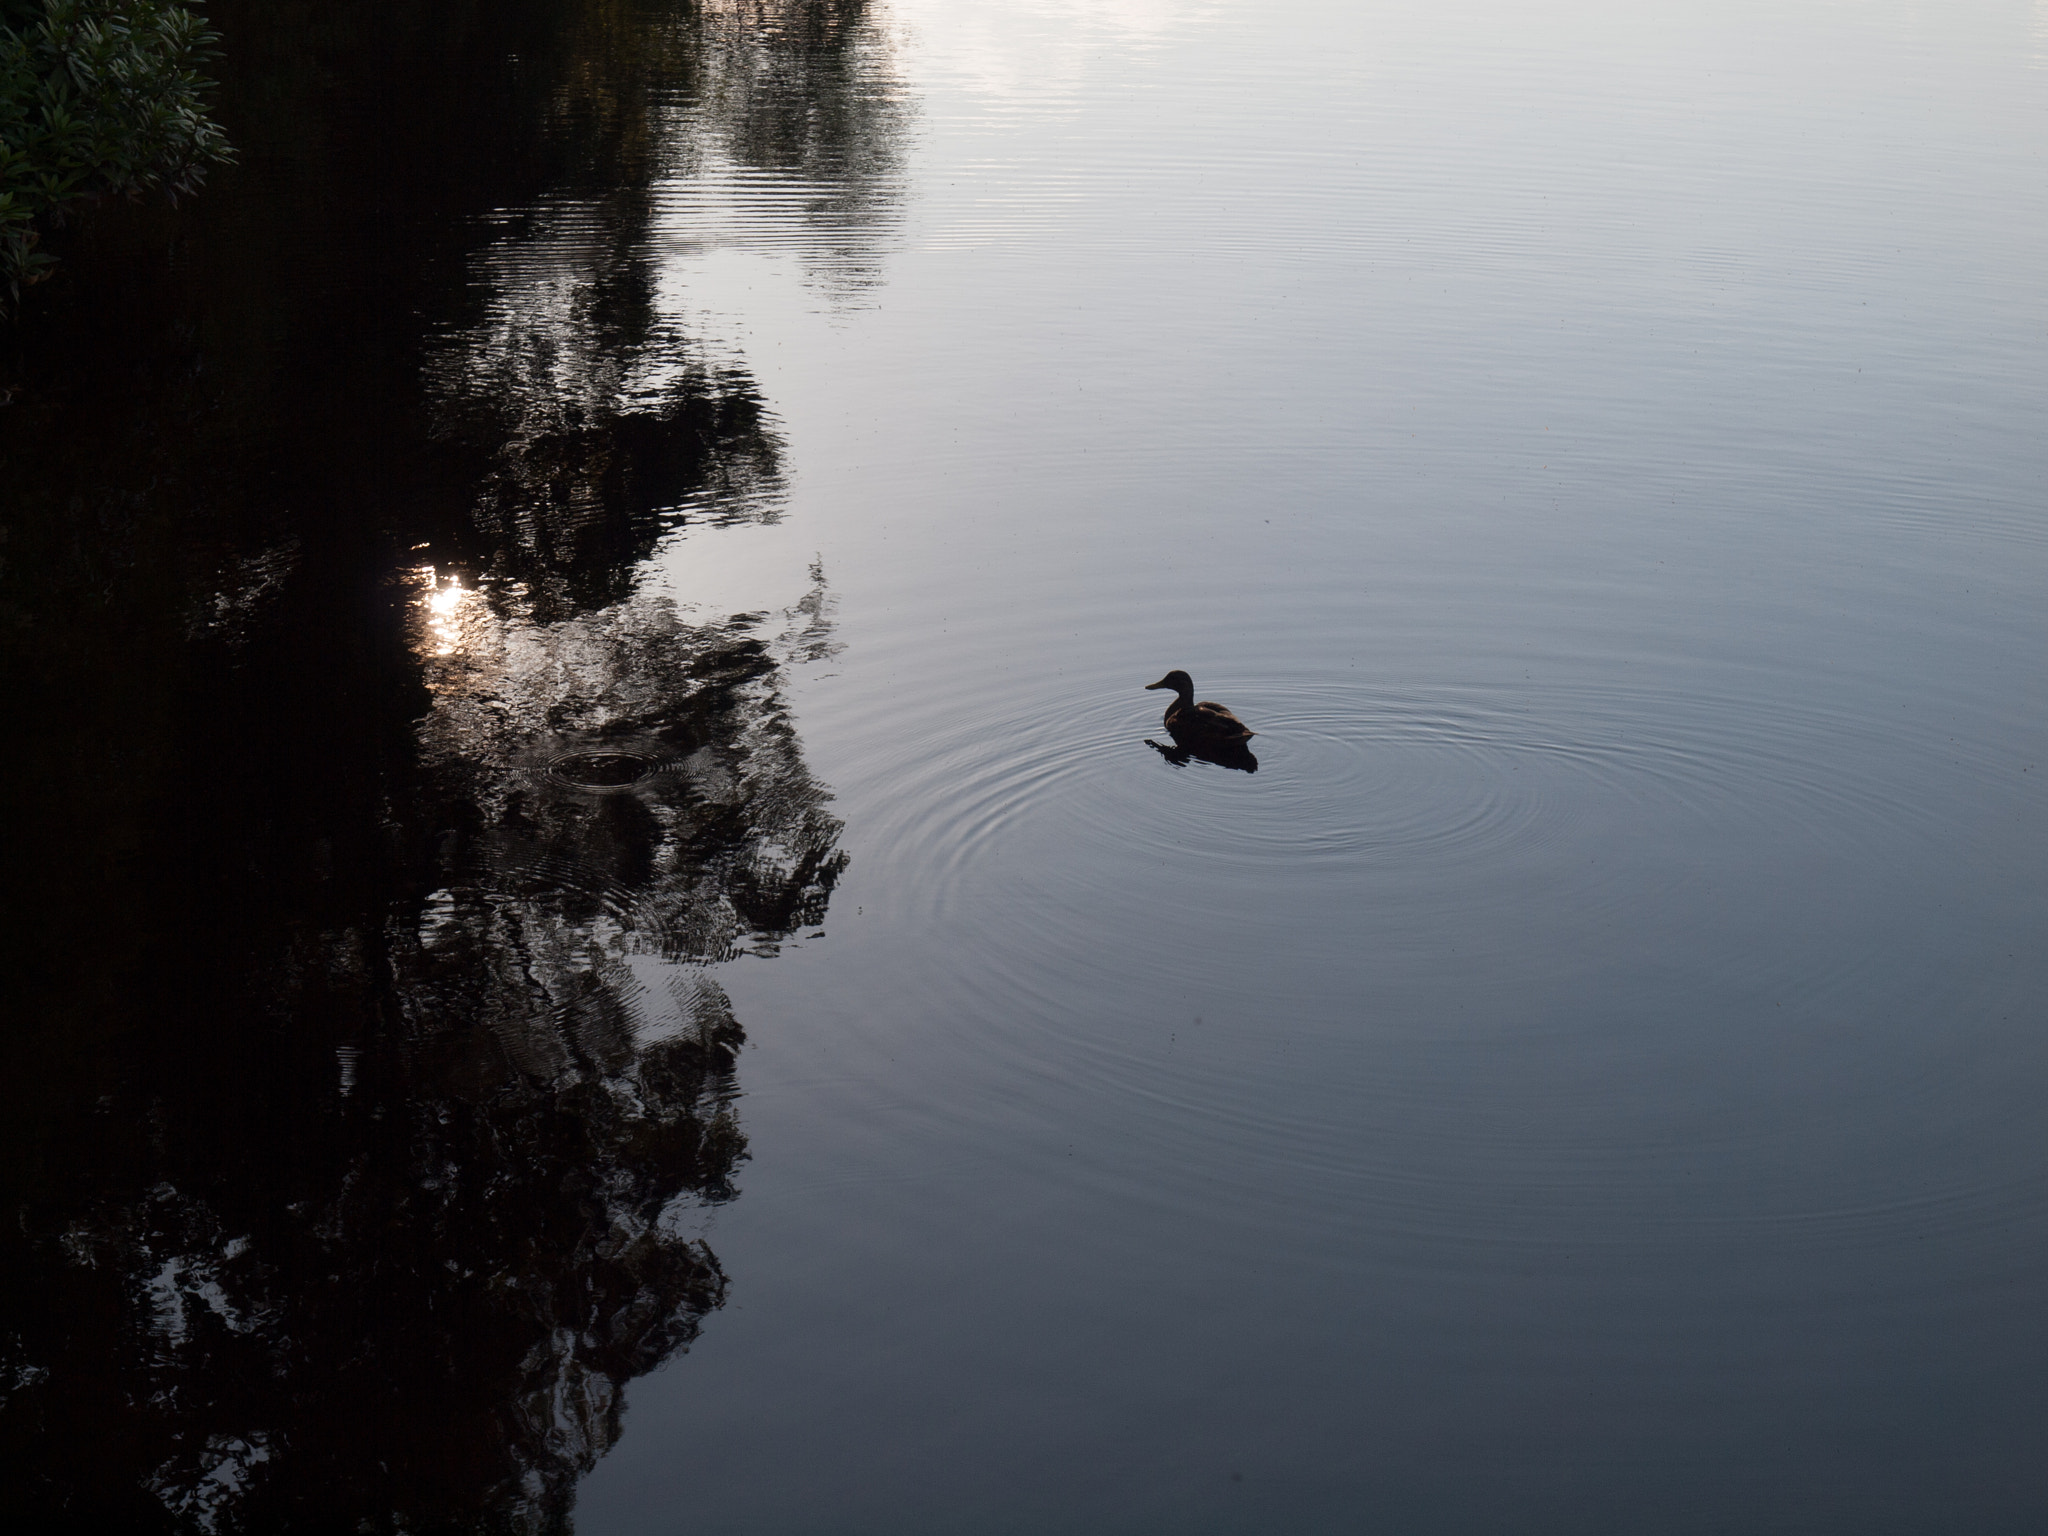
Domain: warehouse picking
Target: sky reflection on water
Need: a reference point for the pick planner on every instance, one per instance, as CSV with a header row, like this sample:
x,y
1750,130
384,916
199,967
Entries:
x,y
1585,1079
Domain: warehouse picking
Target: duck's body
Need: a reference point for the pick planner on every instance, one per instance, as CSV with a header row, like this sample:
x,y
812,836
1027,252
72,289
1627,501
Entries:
x,y
1204,722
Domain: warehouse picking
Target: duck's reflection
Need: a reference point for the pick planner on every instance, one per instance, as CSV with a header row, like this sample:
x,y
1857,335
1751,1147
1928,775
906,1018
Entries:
x,y
1232,754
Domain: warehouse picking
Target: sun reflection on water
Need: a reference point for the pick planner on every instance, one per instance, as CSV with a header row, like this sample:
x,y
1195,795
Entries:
x,y
447,601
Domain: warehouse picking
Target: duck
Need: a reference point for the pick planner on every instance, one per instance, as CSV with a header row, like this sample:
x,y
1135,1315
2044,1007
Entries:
x,y
1207,723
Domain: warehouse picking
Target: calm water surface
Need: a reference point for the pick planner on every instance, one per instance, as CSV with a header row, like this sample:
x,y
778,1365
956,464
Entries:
x,y
1587,1079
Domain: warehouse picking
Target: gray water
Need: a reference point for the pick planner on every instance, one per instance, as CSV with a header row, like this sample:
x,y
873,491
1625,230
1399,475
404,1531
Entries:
x,y
1589,1077
661,543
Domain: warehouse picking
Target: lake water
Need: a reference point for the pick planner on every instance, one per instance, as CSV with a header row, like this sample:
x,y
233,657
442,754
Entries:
x,y
610,930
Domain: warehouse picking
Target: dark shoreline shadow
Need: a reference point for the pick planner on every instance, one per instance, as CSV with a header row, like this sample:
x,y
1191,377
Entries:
x,y
367,1079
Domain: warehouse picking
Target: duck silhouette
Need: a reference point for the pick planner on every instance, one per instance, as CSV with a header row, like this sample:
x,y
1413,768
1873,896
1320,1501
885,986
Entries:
x,y
1206,730
1190,722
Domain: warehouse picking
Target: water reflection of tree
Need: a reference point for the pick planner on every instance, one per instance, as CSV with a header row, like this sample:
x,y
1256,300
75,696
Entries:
x,y
596,426
360,1131
425,1201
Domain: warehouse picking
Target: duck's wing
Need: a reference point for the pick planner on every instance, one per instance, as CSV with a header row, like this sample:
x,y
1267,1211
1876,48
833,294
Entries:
x,y
1216,718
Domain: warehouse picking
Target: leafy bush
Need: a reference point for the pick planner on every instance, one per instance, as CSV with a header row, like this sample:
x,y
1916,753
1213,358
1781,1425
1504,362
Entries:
x,y
98,98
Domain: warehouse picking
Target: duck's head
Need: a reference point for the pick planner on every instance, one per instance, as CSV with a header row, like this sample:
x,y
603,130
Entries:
x,y
1177,680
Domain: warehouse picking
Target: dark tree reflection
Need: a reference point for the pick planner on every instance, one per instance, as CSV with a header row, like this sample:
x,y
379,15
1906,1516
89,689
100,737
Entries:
x,y
383,1225
367,1078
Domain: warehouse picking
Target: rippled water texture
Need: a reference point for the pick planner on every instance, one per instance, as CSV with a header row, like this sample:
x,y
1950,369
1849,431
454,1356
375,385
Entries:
x,y
1588,1077
653,812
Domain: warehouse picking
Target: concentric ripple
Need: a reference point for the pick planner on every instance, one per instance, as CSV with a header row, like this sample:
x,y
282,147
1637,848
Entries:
x,y
580,768
1094,884
1434,782
601,772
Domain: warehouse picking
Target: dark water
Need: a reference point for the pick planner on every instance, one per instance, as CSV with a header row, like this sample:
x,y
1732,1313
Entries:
x,y
595,924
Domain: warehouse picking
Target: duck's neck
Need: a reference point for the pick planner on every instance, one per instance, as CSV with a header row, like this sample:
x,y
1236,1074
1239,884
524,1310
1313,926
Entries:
x,y
1186,694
